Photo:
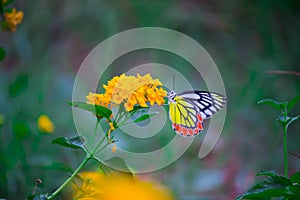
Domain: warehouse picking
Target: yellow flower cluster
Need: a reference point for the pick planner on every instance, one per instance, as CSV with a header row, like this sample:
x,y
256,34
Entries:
x,y
45,125
98,186
13,18
131,91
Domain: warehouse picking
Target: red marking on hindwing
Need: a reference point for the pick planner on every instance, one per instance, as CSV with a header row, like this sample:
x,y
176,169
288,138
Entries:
x,y
199,117
184,131
199,125
188,132
191,132
178,128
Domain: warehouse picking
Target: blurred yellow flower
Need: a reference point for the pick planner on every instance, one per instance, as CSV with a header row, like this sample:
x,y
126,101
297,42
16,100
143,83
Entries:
x,y
12,19
45,124
88,189
130,90
118,187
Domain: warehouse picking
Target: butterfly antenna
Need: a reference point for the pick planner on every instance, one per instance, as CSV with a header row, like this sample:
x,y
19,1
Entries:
x,y
173,81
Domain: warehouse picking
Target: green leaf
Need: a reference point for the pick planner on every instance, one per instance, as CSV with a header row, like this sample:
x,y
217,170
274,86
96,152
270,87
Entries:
x,y
73,143
119,163
277,178
295,189
292,120
2,54
295,178
264,189
275,104
272,186
292,103
37,197
139,114
95,109
270,173
144,117
136,108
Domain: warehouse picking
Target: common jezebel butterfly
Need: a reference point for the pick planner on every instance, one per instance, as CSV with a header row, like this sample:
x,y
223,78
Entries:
x,y
188,109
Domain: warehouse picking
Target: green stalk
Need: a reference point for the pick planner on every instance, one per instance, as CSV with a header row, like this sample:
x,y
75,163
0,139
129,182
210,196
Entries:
x,y
94,134
88,156
119,115
285,152
99,144
102,148
58,190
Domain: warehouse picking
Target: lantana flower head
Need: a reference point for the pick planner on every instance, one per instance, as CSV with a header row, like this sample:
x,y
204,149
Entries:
x,y
130,91
12,19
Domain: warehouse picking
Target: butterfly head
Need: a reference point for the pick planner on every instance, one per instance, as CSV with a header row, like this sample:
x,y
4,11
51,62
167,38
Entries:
x,y
171,96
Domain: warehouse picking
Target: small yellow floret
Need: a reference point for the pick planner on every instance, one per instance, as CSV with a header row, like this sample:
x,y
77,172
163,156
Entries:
x,y
45,124
114,148
13,18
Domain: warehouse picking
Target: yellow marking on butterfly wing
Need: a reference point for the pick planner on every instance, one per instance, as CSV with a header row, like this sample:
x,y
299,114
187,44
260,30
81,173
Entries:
x,y
191,122
177,115
172,108
174,113
186,112
182,111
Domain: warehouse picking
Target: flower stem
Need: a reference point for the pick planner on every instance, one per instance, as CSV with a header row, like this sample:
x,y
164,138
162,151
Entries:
x,y
99,144
102,148
285,152
58,190
94,134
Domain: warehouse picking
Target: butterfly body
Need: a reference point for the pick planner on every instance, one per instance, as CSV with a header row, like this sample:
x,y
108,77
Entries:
x,y
188,109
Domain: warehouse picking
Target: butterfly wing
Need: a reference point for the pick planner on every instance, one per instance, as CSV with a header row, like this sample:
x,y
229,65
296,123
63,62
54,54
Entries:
x,y
186,121
188,109
207,103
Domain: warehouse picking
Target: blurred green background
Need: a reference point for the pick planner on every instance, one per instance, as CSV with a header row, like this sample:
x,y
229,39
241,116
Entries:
x,y
246,39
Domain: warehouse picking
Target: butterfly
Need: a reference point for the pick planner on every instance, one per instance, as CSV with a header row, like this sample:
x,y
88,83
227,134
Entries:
x,y
188,109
